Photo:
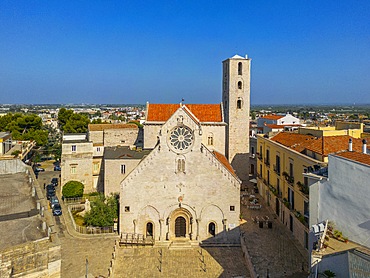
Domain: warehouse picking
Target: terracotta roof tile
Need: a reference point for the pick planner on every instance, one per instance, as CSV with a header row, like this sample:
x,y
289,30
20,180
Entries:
x,y
203,112
332,144
224,161
101,127
272,117
294,141
356,156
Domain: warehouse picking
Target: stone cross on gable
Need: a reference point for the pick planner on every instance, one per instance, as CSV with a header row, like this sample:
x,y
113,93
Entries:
x,y
180,186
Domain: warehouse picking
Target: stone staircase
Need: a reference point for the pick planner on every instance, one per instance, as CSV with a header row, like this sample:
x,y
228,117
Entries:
x,y
166,262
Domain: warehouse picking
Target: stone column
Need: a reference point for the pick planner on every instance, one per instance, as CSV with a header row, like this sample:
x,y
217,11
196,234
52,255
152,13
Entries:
x,y
135,225
198,224
168,228
161,229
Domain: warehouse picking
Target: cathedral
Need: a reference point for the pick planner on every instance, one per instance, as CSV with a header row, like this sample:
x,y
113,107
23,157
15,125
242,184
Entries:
x,y
179,176
187,185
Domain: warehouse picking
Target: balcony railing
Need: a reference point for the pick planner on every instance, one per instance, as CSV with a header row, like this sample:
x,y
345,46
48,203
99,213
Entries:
x,y
267,161
277,170
289,179
301,218
303,188
259,156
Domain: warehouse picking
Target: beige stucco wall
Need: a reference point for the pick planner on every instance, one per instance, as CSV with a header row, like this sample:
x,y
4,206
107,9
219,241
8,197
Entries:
x,y
82,160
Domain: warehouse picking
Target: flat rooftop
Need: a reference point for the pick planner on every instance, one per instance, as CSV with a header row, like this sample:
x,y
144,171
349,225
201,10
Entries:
x,y
16,197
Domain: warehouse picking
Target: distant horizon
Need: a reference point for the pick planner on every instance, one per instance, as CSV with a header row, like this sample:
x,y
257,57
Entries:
x,y
128,51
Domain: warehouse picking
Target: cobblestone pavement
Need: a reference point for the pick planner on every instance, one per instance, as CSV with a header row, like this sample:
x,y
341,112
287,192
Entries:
x,y
273,251
191,262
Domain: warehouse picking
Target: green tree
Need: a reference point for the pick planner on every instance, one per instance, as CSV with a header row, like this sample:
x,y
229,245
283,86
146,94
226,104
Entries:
x,y
73,189
63,117
103,211
70,122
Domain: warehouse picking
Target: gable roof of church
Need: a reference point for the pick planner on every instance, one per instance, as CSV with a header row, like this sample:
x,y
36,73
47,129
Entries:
x,y
220,157
203,112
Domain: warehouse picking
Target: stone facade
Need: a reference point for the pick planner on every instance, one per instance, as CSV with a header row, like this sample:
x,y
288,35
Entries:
x,y
236,105
202,192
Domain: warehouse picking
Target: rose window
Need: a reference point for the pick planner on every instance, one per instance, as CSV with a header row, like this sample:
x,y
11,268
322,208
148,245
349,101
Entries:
x,y
181,138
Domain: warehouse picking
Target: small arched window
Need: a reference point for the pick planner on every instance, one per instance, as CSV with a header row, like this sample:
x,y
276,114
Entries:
x,y
240,68
210,139
212,229
239,104
240,85
180,164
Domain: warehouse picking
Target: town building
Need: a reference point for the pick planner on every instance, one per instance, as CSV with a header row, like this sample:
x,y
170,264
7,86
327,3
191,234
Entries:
x,y
275,123
282,161
339,196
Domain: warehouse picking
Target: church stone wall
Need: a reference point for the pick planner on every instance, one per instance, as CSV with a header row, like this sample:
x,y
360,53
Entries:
x,y
156,192
218,133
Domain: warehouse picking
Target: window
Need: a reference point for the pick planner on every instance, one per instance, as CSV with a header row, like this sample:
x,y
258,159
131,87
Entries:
x,y
239,104
74,147
73,169
291,172
96,167
210,139
305,181
127,209
252,150
240,68
240,85
98,149
181,165
277,164
123,169
268,177
267,157
232,208
278,185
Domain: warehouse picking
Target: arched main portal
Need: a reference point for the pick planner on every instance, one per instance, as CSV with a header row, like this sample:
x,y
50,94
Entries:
x,y
180,224
180,227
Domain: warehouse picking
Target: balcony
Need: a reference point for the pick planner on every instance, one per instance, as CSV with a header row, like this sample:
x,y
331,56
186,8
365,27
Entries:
x,y
277,169
303,188
287,203
289,179
259,156
301,218
267,162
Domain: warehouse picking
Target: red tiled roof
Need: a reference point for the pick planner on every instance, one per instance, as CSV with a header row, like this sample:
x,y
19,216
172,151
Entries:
x,y
294,141
356,156
224,161
203,112
272,117
332,144
101,127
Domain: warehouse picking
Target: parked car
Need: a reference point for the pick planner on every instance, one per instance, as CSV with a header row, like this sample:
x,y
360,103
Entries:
x,y
57,168
39,169
54,181
57,210
50,191
53,201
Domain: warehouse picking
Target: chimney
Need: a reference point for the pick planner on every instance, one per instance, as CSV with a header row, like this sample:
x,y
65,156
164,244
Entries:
x,y
350,145
364,150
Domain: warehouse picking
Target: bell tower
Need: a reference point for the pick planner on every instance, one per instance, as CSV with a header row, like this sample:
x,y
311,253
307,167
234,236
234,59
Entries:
x,y
236,106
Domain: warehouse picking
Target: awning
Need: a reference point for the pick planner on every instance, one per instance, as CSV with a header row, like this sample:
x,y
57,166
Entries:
x,y
253,180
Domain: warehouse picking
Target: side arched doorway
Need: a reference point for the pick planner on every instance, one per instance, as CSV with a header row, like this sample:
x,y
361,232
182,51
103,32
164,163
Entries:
x,y
180,227
149,229
212,229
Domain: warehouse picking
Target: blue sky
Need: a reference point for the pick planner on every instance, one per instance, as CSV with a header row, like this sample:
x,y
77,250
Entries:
x,y
162,51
